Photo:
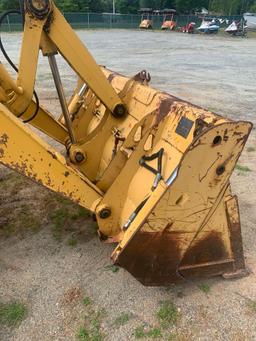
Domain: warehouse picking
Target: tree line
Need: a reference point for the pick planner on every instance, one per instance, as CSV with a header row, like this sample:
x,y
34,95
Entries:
x,y
221,7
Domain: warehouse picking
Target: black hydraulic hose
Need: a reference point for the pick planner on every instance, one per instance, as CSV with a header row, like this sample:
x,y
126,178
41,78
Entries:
x,y
3,16
36,111
10,62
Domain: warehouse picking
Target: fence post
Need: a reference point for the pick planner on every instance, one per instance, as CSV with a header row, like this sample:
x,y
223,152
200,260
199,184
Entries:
x,y
8,22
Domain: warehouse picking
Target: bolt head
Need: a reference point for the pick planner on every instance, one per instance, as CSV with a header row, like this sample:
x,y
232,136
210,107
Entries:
x,y
79,157
39,4
105,213
119,111
39,8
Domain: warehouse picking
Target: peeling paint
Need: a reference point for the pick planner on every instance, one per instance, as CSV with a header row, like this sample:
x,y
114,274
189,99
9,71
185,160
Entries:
x,y
4,139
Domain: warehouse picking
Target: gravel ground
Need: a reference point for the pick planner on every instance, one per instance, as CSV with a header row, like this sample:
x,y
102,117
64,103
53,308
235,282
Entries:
x,y
52,276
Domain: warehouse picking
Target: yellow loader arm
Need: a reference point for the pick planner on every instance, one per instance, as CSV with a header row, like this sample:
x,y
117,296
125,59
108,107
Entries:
x,y
154,169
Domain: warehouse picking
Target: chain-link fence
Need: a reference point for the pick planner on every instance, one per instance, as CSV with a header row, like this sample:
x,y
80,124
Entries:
x,y
108,21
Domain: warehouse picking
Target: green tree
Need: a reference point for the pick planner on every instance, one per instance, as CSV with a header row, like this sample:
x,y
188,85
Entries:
x,y
252,7
127,6
7,5
183,5
147,3
83,5
68,5
226,7
79,5
167,4
247,5
186,6
107,6
95,6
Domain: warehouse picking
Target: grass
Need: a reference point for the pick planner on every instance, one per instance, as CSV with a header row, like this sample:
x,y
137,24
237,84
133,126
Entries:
x,y
90,334
28,220
167,314
72,241
242,168
12,314
13,182
80,213
83,335
90,331
59,219
23,219
204,287
112,268
95,328
86,301
63,216
94,227
141,333
251,149
122,319
66,219
252,306
154,333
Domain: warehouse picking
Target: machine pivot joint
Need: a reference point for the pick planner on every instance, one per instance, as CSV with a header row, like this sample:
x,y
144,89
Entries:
x,y
39,8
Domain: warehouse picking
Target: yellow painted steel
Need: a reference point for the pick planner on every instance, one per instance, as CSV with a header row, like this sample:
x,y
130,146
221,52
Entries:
x,y
71,48
7,82
46,122
187,210
156,178
28,63
24,151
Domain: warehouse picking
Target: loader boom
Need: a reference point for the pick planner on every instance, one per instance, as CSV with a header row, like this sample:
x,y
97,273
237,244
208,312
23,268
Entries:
x,y
154,169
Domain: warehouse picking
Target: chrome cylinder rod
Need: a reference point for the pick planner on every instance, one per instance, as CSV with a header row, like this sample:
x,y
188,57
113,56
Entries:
x,y
82,90
61,95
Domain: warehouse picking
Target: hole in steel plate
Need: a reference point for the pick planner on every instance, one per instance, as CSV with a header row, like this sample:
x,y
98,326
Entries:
x,y
220,170
217,140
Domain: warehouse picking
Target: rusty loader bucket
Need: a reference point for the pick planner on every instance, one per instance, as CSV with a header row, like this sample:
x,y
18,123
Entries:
x,y
175,213
153,169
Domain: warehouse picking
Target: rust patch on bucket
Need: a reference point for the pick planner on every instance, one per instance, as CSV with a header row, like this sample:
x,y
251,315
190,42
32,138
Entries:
x,y
152,258
164,108
208,249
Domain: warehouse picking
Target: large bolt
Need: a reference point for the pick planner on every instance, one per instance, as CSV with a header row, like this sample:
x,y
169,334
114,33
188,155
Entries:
x,y
119,111
105,213
39,5
79,157
40,8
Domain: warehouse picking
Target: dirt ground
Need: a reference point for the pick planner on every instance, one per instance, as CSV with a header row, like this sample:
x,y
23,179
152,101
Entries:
x,y
50,256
